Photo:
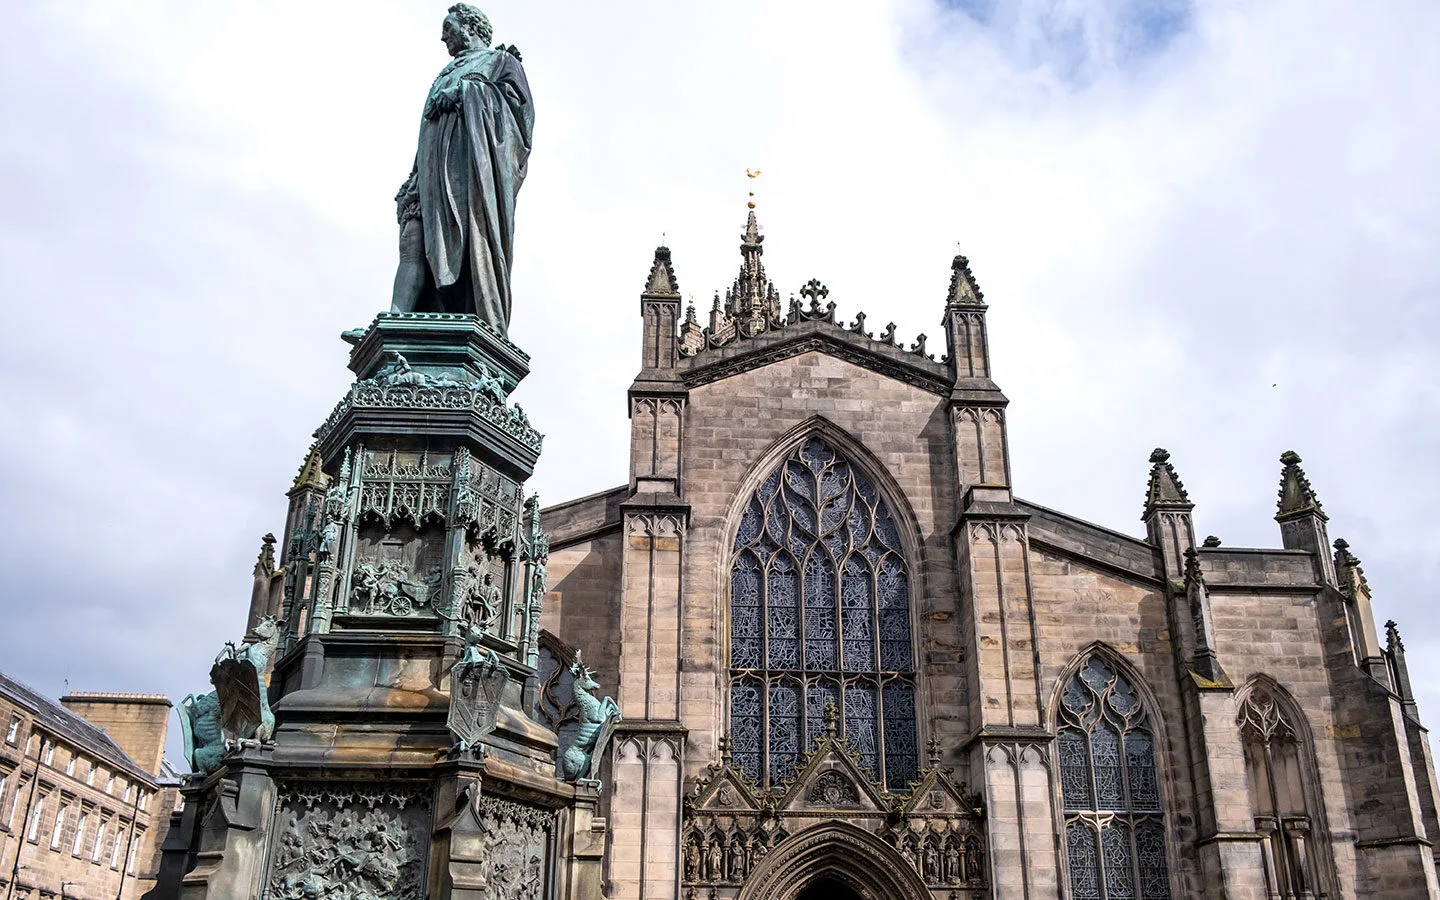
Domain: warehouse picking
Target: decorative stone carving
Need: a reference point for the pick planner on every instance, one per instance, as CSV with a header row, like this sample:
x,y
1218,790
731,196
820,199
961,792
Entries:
x,y
388,589
598,719
360,843
239,676
476,682
475,396
516,848
833,791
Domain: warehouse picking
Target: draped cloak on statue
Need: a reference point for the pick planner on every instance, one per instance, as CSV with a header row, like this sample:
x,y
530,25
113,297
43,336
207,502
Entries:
x,y
474,146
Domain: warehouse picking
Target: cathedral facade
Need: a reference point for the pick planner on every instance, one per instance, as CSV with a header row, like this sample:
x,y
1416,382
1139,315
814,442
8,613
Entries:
x,y
852,663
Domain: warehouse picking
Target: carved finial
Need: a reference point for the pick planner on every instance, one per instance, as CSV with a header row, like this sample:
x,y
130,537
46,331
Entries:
x,y
1392,637
1348,566
725,749
816,291
1165,488
1297,497
265,562
964,291
1193,575
919,345
934,747
832,719
345,466
662,280
888,335
1211,541
312,473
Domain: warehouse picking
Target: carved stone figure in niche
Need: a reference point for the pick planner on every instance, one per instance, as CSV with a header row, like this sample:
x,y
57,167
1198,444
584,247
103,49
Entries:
x,y
953,869
483,598
932,863
328,539
714,861
737,859
597,722
692,860
457,209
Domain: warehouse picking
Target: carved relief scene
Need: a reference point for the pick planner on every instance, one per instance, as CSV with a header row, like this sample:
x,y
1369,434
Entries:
x,y
352,842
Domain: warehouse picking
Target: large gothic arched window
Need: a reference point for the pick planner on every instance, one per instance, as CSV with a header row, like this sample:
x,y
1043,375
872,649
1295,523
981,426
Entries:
x,y
1114,826
820,617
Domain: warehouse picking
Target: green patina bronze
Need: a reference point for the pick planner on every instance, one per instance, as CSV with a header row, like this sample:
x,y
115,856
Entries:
x,y
457,208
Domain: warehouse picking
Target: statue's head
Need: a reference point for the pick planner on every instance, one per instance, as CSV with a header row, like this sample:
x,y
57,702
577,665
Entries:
x,y
465,28
267,627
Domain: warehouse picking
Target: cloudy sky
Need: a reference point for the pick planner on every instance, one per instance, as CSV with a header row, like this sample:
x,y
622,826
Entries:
x,y
1209,227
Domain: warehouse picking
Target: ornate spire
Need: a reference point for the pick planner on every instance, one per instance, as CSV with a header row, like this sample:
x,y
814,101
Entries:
x,y
1297,497
964,290
662,276
1165,488
752,300
311,475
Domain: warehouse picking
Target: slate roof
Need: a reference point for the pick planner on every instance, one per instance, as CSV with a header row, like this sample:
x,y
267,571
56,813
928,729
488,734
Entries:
x,y
61,722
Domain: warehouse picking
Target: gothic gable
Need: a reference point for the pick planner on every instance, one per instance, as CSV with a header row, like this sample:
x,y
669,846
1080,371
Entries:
x,y
832,780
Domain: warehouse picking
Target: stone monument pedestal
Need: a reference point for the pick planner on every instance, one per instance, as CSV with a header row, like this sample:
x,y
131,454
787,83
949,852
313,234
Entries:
x,y
407,758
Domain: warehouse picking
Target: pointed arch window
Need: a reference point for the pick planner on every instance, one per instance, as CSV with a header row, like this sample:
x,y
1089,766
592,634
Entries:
x,y
820,618
1272,738
1114,823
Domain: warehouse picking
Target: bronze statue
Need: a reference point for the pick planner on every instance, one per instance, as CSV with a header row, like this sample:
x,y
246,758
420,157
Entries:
x,y
457,208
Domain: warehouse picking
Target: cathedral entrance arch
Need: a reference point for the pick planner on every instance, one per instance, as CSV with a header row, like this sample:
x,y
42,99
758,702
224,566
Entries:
x,y
834,861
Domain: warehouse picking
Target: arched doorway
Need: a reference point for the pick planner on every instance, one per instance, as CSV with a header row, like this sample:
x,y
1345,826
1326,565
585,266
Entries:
x,y
828,889
834,861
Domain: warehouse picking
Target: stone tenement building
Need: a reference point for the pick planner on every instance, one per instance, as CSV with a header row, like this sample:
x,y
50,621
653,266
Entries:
x,y
852,662
85,794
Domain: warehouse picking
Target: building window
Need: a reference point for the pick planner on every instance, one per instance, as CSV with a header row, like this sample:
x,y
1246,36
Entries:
x,y
34,830
49,753
144,801
115,849
90,778
59,827
135,841
110,785
79,834
70,765
14,801
129,789
12,734
99,843
1114,825
32,745
1272,739
820,619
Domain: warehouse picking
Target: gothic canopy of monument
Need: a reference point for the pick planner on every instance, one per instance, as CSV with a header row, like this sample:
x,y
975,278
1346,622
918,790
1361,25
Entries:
x,y
847,660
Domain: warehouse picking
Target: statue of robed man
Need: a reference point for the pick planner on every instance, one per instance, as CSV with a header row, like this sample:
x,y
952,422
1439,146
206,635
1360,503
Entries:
x,y
457,208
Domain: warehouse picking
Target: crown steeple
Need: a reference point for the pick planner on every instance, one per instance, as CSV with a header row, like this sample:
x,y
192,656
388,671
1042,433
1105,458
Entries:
x,y
752,300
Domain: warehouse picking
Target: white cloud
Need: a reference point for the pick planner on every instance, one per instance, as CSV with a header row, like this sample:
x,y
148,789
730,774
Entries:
x,y
1216,237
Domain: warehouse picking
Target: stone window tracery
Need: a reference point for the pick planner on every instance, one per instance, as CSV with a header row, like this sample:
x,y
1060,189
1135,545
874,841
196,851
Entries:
x,y
1114,822
820,617
1272,738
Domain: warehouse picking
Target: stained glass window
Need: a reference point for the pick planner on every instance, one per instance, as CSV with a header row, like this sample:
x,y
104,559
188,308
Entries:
x,y
1114,825
820,616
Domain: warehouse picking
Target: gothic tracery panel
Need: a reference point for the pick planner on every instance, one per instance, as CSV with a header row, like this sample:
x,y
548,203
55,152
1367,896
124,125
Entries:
x,y
1114,824
820,617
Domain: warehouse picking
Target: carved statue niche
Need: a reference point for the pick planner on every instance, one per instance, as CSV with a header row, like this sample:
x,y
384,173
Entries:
x,y
240,676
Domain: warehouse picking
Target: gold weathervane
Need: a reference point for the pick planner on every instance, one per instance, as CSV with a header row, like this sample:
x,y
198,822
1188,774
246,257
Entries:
x,y
752,175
